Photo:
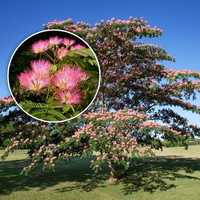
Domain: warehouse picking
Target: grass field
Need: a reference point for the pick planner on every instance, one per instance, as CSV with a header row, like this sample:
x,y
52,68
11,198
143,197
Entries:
x,y
173,175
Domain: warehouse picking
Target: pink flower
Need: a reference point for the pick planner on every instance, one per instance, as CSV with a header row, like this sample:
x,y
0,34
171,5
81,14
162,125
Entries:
x,y
67,42
55,22
69,97
31,81
55,41
61,52
150,124
41,67
6,100
40,46
69,77
77,47
73,97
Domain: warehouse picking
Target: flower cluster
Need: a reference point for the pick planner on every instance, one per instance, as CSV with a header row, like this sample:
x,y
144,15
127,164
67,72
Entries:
x,y
162,127
64,81
55,22
109,137
174,74
63,46
121,115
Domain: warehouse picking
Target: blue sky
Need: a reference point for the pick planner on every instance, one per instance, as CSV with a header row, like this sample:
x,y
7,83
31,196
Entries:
x,y
180,20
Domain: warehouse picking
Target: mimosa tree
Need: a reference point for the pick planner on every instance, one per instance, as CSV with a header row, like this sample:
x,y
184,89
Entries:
x,y
134,110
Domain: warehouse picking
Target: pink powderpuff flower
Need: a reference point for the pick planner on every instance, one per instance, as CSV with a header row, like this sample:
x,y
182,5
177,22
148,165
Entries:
x,y
69,97
41,67
69,77
77,47
31,81
40,46
55,40
67,42
61,52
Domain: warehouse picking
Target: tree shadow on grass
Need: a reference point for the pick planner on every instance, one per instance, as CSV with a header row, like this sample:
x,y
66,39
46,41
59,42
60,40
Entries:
x,y
76,174
159,173
148,175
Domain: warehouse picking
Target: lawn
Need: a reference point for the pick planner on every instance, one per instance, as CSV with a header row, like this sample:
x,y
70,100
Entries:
x,y
174,174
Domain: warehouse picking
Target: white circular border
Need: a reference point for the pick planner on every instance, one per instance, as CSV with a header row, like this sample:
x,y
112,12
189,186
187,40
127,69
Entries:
x,y
58,30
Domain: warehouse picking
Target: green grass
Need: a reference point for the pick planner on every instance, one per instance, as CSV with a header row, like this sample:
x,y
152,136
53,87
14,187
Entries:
x,y
191,152
173,175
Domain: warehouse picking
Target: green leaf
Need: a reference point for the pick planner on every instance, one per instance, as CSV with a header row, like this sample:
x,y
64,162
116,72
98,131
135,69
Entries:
x,y
66,108
56,114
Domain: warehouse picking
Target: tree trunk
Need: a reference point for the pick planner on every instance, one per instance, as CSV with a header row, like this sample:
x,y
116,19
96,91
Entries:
x,y
113,175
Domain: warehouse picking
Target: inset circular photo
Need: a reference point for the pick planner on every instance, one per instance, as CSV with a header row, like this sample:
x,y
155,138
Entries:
x,y
54,75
